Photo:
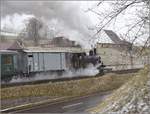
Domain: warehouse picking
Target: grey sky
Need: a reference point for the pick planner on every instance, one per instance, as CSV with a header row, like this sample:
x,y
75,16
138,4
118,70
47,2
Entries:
x,y
69,18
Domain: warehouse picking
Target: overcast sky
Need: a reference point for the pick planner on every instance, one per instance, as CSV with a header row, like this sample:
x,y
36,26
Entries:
x,y
69,19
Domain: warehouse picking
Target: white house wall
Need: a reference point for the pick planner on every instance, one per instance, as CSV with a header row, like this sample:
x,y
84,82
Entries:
x,y
119,59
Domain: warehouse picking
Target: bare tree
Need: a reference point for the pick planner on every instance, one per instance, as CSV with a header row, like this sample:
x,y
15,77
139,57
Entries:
x,y
32,30
139,27
119,7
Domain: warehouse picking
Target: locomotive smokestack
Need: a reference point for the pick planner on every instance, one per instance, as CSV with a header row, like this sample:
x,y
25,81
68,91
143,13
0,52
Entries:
x,y
92,52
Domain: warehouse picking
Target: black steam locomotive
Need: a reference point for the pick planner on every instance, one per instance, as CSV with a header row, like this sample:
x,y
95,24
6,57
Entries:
x,y
30,62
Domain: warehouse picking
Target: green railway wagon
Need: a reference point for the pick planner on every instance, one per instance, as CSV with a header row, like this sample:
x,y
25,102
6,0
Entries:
x,y
8,64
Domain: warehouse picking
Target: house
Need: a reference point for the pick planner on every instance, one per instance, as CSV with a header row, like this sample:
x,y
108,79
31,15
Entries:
x,y
117,53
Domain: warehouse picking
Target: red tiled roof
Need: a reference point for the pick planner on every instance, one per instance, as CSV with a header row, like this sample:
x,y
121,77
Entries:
x,y
4,46
15,46
10,46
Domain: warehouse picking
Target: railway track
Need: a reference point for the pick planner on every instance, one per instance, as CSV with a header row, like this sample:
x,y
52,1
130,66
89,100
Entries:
x,y
125,71
66,78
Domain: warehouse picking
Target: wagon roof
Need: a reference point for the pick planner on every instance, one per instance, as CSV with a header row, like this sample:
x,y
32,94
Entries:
x,y
55,49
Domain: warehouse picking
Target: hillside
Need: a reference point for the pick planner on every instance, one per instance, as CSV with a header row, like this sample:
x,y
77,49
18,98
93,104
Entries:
x,y
131,98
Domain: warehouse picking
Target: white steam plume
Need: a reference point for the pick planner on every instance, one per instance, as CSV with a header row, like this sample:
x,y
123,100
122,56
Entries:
x,y
68,16
89,71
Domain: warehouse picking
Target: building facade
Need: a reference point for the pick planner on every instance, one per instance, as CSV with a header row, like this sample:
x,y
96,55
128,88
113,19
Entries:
x,y
119,54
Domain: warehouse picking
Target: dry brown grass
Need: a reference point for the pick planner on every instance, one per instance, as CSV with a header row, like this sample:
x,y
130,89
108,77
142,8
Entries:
x,y
67,88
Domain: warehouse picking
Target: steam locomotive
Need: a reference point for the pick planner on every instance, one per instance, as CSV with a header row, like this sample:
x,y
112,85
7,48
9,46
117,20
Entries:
x,y
31,61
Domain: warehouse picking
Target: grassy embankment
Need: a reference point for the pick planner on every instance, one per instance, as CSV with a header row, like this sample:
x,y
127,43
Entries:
x,y
130,98
68,88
